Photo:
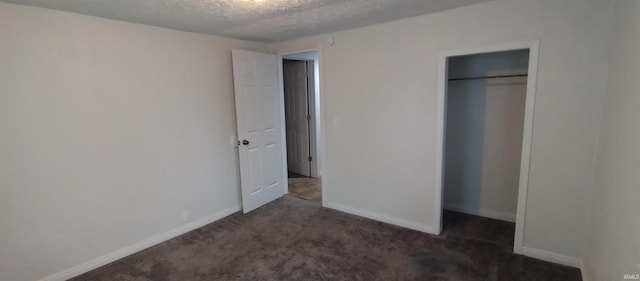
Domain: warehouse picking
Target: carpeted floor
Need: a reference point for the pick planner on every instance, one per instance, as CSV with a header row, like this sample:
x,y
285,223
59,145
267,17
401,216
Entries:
x,y
293,239
469,227
305,187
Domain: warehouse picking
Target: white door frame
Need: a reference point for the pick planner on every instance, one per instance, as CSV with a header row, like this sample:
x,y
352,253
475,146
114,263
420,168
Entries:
x,y
533,47
320,149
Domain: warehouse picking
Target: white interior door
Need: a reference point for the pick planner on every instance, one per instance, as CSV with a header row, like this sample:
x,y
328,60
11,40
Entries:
x,y
259,120
297,117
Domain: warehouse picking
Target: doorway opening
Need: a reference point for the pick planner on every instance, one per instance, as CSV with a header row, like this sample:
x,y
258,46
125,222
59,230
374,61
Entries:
x,y
486,119
301,87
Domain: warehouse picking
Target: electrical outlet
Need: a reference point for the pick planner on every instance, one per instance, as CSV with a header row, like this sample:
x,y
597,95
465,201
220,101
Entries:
x,y
185,216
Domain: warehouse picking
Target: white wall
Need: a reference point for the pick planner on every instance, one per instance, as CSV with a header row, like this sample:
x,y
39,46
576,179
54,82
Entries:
x,y
484,126
613,248
108,131
379,98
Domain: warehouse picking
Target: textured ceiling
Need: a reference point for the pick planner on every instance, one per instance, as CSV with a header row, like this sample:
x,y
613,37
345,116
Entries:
x,y
258,20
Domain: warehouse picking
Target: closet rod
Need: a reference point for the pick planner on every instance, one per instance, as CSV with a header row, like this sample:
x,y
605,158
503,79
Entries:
x,y
487,77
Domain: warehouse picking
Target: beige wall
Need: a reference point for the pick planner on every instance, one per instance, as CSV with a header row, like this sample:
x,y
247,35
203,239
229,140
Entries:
x,y
613,248
379,98
109,130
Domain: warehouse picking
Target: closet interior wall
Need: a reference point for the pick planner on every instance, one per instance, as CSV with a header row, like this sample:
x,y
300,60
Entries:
x,y
484,126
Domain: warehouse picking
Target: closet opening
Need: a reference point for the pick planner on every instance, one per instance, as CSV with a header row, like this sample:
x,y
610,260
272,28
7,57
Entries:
x,y
486,114
301,82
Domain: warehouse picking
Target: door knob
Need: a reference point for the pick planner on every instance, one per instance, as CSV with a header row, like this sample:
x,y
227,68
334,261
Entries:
x,y
245,142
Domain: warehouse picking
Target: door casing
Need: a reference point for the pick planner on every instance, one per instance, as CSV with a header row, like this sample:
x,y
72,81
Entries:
x,y
319,136
533,47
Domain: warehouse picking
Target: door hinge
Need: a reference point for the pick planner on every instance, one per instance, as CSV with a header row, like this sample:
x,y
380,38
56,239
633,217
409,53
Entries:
x,y
308,117
310,158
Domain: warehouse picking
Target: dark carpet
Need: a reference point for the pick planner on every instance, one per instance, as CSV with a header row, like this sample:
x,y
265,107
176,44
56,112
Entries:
x,y
470,227
293,239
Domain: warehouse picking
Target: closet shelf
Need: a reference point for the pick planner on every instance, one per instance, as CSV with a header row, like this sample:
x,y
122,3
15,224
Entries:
x,y
487,77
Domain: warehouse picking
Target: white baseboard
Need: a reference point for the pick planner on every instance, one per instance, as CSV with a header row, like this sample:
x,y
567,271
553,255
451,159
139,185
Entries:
x,y
481,212
552,257
382,218
132,249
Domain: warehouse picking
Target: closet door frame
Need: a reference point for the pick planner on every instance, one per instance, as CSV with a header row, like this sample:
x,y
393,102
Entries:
x,y
533,47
